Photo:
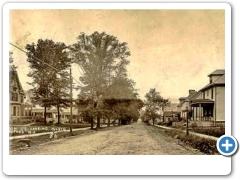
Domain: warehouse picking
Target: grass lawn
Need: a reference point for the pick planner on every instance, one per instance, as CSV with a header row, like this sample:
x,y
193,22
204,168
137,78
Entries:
x,y
17,144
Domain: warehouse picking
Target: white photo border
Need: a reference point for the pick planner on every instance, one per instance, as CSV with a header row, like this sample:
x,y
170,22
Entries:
x,y
113,164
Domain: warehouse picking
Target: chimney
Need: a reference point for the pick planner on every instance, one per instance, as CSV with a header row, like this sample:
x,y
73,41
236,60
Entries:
x,y
191,91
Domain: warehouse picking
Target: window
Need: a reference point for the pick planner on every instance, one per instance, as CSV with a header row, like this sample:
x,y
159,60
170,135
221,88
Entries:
x,y
17,111
21,99
207,93
204,95
14,96
14,110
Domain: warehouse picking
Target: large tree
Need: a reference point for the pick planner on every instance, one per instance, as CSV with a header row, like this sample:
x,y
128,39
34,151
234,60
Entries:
x,y
60,94
103,60
121,87
49,62
153,104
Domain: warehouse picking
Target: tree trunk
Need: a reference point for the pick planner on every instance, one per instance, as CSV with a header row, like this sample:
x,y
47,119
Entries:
x,y
91,120
45,114
153,121
163,113
108,122
58,111
98,122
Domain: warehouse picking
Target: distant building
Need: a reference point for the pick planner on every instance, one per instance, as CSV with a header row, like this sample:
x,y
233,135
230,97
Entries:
x,y
171,107
29,102
32,108
65,114
37,113
170,116
183,103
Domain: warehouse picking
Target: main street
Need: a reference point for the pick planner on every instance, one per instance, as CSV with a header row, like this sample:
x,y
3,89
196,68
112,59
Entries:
x,y
134,139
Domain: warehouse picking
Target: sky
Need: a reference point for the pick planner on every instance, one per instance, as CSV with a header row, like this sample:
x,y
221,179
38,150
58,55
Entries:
x,y
171,50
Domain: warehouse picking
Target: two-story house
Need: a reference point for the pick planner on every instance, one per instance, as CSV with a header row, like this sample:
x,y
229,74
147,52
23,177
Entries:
x,y
183,106
16,95
210,102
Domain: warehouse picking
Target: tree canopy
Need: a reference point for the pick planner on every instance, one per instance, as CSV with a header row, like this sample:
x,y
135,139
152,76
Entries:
x,y
154,104
49,62
103,60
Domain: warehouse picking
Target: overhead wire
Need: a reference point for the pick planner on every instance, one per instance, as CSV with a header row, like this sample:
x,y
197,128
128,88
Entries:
x,y
49,65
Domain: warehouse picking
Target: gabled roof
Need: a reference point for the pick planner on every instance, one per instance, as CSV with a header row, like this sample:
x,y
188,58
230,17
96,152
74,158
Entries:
x,y
15,79
220,81
189,97
217,72
180,104
195,95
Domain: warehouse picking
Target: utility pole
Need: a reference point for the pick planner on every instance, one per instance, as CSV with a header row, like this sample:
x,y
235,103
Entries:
x,y
71,103
187,115
187,132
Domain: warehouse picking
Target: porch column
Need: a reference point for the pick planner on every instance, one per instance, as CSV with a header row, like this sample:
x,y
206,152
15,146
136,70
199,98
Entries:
x,y
196,113
193,113
200,112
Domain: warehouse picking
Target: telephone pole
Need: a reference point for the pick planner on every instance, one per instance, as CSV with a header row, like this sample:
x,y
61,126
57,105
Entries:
x,y
71,102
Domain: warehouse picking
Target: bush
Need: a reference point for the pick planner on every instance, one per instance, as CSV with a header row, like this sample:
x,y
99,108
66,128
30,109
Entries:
x,y
169,123
206,146
39,119
211,131
50,122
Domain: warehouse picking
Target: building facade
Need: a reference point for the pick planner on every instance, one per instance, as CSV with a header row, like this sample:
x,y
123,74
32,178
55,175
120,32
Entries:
x,y
208,104
16,94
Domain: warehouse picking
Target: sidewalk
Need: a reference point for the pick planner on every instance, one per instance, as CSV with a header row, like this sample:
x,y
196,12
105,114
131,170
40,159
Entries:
x,y
192,133
45,133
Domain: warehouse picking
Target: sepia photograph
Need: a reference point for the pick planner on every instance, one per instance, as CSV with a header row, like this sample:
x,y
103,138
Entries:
x,y
116,82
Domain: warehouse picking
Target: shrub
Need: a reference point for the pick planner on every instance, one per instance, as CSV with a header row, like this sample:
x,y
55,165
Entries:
x,y
206,146
169,123
193,125
211,131
160,123
50,122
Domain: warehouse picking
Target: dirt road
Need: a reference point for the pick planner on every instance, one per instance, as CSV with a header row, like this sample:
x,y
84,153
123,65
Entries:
x,y
134,139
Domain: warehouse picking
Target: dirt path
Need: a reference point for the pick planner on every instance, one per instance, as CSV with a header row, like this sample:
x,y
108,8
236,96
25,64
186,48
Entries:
x,y
134,139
